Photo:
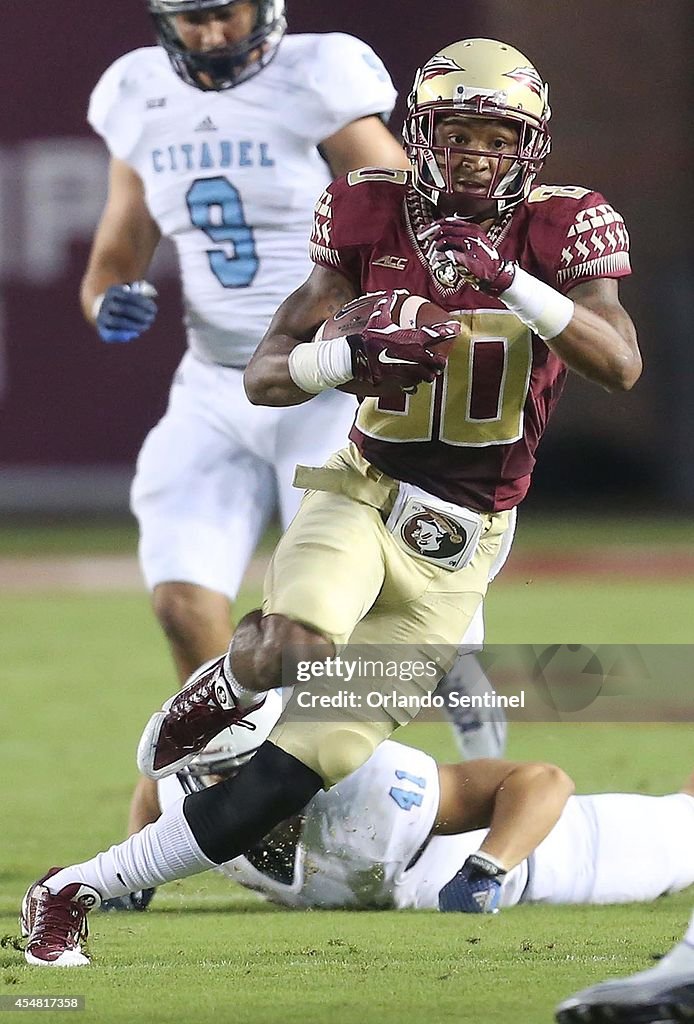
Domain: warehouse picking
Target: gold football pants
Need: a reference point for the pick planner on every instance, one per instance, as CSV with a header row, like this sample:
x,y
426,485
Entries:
x,y
338,570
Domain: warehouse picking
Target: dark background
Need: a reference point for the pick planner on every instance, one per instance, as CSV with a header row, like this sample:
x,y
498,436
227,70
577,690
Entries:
x,y
74,411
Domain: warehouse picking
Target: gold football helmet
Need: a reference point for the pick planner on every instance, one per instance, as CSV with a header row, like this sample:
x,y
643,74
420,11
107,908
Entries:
x,y
484,78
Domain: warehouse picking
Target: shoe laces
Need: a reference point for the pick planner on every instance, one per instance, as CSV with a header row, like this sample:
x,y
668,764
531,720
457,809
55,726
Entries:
x,y
195,700
202,692
59,921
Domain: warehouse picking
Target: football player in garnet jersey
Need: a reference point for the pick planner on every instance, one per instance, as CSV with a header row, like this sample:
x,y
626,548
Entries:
x,y
221,138
531,275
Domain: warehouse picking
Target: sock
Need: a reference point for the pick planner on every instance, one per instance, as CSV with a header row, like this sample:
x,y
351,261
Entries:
x,y
161,852
478,732
244,698
681,957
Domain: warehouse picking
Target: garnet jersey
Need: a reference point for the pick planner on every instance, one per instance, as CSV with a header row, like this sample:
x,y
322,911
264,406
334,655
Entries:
x,y
471,436
232,177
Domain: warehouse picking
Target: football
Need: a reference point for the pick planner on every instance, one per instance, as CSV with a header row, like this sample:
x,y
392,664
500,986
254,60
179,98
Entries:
x,y
407,311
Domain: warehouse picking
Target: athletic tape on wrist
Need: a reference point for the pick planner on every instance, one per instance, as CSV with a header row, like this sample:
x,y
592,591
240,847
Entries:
x,y
482,855
545,310
96,305
315,366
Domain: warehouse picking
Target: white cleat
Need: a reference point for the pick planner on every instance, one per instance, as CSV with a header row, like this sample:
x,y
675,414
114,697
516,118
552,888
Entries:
x,y
654,996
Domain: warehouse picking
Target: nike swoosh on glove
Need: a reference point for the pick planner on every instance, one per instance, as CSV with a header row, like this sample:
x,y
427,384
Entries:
x,y
475,889
126,311
385,352
466,245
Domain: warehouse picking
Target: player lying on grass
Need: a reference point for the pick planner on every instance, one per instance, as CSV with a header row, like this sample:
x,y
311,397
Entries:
x,y
403,832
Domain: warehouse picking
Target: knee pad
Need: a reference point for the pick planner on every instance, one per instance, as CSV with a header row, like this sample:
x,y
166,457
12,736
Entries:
x,y
339,752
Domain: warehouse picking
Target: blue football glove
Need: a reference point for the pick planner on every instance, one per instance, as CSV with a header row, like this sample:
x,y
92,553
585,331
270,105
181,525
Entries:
x,y
139,901
125,311
475,889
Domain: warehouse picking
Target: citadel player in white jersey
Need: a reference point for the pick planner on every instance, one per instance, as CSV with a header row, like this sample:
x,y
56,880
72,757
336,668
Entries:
x,y
222,138
403,833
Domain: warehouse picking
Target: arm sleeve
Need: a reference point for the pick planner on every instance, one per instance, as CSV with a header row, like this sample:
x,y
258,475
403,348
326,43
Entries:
x,y
346,80
596,245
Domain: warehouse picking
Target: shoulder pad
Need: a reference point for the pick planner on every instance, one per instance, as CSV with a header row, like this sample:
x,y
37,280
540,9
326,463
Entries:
x,y
576,235
112,112
346,81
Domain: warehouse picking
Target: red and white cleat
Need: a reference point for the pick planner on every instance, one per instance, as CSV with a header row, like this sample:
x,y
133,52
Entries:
x,y
189,720
55,925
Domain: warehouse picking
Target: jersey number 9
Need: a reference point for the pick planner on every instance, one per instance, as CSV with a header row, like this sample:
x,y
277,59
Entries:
x,y
215,207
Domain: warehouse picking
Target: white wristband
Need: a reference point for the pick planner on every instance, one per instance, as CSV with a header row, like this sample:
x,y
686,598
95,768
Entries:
x,y
545,310
315,366
492,860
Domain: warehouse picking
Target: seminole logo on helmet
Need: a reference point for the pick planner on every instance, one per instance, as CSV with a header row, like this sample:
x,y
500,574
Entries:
x,y
432,533
438,65
528,77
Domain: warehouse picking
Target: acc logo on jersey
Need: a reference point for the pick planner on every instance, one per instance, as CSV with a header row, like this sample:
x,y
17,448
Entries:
x,y
391,262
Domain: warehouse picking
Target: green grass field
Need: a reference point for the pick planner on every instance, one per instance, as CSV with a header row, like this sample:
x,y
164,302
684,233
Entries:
x,y
81,671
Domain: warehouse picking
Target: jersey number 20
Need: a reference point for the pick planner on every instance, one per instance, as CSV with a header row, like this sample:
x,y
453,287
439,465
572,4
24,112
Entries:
x,y
215,207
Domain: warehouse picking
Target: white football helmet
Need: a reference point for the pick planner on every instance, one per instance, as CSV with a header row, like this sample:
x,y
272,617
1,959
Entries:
x,y
483,78
226,66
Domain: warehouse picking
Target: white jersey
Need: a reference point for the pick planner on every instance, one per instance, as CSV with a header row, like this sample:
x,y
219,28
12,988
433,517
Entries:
x,y
359,837
367,843
233,176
